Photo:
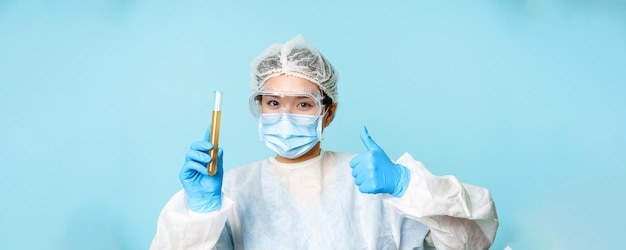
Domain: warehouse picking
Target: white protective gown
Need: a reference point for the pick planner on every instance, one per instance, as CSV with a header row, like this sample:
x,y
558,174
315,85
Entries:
x,y
316,205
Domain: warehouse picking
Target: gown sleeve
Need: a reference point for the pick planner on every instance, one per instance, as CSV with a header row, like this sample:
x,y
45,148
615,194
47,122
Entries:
x,y
180,228
459,216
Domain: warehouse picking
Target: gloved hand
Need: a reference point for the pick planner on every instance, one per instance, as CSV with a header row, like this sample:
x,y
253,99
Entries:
x,y
375,173
204,192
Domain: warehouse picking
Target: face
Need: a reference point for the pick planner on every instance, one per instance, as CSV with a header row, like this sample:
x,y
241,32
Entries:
x,y
296,96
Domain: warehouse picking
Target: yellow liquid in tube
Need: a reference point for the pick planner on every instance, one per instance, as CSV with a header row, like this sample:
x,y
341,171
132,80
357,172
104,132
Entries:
x,y
215,137
215,134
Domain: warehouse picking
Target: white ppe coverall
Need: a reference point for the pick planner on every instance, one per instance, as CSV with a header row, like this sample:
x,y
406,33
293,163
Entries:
x,y
316,205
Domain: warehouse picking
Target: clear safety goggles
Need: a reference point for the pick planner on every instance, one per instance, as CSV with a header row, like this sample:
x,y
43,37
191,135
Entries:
x,y
270,106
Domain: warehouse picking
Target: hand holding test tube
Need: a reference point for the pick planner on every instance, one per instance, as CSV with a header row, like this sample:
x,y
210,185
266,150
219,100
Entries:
x,y
215,133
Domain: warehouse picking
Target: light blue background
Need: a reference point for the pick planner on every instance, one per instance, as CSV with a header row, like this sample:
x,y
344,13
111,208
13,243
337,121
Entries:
x,y
99,102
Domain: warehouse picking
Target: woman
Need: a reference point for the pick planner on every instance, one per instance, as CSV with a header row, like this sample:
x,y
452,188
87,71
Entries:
x,y
307,198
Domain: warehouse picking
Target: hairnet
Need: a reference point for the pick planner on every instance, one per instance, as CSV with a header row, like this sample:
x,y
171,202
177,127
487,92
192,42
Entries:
x,y
296,58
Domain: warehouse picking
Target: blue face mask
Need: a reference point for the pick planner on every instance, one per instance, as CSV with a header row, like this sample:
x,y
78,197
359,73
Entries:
x,y
290,135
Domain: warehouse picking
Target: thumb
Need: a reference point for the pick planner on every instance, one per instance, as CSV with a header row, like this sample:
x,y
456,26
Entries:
x,y
368,141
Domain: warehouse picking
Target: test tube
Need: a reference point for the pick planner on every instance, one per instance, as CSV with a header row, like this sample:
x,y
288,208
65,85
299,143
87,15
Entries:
x,y
215,133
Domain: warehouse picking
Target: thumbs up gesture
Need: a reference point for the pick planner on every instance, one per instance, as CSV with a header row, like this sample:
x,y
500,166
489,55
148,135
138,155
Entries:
x,y
375,173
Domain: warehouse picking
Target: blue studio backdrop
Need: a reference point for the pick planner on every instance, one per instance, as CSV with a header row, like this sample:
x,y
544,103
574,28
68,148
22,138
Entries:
x,y
100,100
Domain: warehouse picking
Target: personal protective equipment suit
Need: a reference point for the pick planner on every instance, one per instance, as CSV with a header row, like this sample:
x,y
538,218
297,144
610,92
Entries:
x,y
316,205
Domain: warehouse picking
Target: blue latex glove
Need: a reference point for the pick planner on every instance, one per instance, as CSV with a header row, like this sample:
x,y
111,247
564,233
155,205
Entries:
x,y
375,173
204,192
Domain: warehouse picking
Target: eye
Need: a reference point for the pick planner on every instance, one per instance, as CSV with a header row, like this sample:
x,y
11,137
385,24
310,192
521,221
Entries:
x,y
272,104
305,106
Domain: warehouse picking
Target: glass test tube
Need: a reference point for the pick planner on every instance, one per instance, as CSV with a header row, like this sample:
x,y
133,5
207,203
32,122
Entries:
x,y
215,133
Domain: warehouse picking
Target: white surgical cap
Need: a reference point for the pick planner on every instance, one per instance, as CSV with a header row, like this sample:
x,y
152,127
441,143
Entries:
x,y
296,58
